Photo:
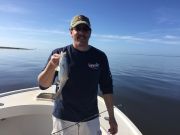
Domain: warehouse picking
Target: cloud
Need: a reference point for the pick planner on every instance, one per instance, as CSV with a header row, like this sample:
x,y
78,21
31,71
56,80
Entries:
x,y
166,15
171,37
12,9
151,37
167,39
33,31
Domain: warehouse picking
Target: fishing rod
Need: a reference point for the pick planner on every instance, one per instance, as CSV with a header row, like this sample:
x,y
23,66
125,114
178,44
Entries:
x,y
77,123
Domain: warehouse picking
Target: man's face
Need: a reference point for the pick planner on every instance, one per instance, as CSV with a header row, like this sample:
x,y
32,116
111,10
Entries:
x,y
81,34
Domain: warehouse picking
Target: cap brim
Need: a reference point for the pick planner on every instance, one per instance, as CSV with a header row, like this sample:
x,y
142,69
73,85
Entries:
x,y
80,22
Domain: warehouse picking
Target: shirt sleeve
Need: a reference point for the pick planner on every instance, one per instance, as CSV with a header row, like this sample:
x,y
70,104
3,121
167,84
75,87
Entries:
x,y
105,81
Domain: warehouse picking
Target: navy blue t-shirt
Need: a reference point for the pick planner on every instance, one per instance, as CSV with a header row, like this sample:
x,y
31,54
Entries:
x,y
87,70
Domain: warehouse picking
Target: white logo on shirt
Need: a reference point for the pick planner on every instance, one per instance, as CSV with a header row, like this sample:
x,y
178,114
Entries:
x,y
93,66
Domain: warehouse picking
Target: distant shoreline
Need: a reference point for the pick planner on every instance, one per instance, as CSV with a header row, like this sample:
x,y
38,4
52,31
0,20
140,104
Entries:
x,y
16,48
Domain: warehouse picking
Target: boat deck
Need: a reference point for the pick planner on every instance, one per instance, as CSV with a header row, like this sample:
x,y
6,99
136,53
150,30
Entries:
x,y
23,110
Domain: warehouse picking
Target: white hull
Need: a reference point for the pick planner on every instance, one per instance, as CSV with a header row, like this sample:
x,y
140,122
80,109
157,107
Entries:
x,y
21,113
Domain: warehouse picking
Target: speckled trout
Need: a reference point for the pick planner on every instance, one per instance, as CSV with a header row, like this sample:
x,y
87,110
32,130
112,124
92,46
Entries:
x,y
62,73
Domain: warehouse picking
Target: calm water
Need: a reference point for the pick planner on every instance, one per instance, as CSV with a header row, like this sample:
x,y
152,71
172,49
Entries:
x,y
146,87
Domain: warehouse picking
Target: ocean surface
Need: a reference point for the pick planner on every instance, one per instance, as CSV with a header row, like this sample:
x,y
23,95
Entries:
x,y
146,86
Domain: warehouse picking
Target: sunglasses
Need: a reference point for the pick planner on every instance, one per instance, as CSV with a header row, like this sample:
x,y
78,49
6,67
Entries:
x,y
82,28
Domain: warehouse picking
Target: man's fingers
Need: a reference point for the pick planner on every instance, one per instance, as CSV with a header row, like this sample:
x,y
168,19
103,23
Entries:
x,y
113,128
55,59
55,56
112,131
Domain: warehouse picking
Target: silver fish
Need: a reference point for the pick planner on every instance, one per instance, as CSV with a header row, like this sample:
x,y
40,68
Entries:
x,y
62,73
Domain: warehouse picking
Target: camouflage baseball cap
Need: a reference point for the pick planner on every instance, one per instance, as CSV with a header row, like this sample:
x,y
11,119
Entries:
x,y
80,19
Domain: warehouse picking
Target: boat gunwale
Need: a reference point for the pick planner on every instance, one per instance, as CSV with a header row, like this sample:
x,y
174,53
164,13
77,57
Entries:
x,y
18,91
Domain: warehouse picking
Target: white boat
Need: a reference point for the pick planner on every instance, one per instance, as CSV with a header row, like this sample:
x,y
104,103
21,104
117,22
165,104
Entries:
x,y
28,112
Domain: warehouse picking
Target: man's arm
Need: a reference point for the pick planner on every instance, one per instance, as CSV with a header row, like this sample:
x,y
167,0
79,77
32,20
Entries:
x,y
46,77
112,121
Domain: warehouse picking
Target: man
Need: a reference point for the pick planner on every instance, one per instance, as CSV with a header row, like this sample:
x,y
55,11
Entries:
x,y
88,68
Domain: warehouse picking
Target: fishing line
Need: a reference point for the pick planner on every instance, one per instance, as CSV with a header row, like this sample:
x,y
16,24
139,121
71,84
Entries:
x,y
77,123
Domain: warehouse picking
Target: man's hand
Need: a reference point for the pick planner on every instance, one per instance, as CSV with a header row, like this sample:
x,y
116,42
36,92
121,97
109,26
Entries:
x,y
113,126
45,78
54,61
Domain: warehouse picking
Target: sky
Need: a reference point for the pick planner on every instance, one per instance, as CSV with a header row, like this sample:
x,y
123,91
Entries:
x,y
117,24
